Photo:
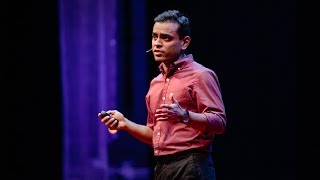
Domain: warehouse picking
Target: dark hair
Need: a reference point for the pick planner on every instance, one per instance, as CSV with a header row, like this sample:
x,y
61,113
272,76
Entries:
x,y
178,17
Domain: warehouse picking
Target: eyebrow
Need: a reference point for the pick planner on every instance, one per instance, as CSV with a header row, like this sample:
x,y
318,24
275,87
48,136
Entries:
x,y
162,35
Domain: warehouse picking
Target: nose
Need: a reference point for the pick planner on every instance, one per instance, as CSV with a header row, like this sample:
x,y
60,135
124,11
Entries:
x,y
157,42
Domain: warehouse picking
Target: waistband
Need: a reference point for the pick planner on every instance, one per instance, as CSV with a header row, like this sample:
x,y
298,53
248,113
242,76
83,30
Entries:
x,y
165,159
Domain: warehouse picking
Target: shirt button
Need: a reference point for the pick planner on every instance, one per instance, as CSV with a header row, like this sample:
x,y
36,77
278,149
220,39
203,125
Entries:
x,y
179,68
158,133
156,152
163,98
168,79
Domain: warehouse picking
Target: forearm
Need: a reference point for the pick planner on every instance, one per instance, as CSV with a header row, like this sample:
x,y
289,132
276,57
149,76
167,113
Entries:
x,y
141,132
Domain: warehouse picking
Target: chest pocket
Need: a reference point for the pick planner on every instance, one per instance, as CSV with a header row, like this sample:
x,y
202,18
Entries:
x,y
182,92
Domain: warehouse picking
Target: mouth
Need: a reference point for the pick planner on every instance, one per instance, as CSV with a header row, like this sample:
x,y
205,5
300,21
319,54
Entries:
x,y
157,52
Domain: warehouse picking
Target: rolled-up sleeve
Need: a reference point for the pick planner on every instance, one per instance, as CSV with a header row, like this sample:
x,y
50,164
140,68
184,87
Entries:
x,y
207,92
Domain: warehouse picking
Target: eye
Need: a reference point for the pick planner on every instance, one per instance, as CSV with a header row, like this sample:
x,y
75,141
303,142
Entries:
x,y
154,37
166,37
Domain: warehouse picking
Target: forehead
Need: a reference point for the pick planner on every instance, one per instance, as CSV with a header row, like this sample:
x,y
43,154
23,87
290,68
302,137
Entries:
x,y
165,27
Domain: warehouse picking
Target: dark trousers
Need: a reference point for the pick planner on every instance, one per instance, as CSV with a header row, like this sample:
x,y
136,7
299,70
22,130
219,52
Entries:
x,y
188,165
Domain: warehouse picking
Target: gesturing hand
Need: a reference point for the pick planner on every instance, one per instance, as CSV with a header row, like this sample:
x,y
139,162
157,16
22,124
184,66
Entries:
x,y
113,119
170,112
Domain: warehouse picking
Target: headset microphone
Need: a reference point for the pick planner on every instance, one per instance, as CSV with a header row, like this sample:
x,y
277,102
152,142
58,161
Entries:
x,y
149,50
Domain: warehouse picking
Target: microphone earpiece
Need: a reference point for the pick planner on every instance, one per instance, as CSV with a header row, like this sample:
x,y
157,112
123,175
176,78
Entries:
x,y
149,50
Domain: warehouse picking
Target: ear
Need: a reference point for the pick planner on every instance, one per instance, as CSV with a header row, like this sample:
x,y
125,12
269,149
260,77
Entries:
x,y
185,42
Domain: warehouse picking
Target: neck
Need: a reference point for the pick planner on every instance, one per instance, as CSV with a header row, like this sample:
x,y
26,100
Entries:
x,y
167,65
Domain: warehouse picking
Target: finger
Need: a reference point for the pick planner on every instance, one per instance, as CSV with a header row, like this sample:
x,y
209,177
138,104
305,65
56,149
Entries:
x,y
173,100
171,97
163,107
161,118
108,121
111,112
114,123
160,115
112,131
105,119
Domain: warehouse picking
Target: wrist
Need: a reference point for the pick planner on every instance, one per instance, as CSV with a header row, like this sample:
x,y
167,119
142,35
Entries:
x,y
185,118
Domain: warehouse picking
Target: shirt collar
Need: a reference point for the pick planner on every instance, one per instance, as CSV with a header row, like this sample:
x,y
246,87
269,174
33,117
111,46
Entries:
x,y
178,64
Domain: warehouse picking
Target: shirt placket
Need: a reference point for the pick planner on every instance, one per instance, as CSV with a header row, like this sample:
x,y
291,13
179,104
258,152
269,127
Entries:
x,y
159,130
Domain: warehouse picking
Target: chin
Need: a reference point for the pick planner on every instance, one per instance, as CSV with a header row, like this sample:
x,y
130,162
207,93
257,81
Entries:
x,y
158,59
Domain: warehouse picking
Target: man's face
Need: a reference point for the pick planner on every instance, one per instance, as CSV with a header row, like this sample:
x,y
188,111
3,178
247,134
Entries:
x,y
166,44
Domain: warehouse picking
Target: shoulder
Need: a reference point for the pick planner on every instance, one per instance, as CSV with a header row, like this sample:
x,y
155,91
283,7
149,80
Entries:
x,y
201,70
156,78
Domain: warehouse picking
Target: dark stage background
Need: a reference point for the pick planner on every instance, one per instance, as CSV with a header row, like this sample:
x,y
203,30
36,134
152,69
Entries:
x,y
254,47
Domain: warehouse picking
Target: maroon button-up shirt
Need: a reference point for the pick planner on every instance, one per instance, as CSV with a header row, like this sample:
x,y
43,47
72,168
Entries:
x,y
197,89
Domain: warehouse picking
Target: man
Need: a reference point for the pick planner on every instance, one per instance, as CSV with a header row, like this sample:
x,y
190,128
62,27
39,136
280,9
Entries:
x,y
184,103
